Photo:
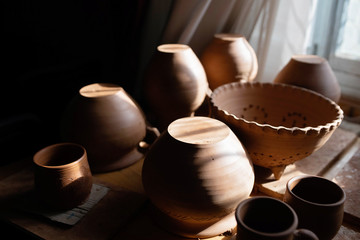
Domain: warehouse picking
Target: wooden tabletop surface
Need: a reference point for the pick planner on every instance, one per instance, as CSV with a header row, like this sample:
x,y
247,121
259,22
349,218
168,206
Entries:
x,y
123,212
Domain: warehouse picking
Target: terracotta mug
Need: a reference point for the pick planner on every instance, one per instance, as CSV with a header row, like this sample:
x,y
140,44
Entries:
x,y
318,202
262,218
62,175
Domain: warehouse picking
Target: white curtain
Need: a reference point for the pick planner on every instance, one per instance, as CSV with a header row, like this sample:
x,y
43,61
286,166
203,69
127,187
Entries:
x,y
276,29
289,35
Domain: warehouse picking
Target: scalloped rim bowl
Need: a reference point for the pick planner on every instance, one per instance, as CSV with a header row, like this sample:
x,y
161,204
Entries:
x,y
277,123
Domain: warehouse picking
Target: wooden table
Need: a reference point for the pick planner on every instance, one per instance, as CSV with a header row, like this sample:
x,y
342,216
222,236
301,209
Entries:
x,y
123,212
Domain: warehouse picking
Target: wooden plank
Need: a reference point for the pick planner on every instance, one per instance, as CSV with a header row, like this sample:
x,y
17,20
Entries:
x,y
347,233
349,178
143,227
128,178
315,164
11,168
103,221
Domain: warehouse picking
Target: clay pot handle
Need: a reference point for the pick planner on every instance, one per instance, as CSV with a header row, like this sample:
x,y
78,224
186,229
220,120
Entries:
x,y
304,234
152,133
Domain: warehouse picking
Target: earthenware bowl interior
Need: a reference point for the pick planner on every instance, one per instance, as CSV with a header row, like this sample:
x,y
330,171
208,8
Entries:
x,y
276,105
59,156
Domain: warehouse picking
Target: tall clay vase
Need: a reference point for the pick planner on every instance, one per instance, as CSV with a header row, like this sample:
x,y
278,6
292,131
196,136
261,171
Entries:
x,y
175,84
229,58
108,123
195,175
311,72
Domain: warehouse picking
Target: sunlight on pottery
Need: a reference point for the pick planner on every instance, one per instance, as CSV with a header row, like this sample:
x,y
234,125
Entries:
x,y
229,58
195,174
311,72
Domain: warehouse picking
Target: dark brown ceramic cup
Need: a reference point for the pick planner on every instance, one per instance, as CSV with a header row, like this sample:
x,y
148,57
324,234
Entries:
x,y
318,202
266,218
62,175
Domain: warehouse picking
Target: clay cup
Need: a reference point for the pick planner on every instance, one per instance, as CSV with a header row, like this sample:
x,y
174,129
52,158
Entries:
x,y
268,218
62,175
318,202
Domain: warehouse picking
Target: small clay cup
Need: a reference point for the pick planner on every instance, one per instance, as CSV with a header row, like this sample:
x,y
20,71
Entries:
x,y
62,176
318,202
262,218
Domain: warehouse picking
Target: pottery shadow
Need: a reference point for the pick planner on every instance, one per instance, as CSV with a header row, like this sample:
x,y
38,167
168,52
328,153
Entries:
x,y
65,198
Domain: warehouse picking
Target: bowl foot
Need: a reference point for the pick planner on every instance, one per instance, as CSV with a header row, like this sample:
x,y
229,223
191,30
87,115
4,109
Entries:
x,y
278,171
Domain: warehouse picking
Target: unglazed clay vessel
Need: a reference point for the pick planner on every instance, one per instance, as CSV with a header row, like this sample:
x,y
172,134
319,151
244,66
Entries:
x,y
277,123
175,84
195,174
268,218
229,58
311,72
108,123
318,202
62,175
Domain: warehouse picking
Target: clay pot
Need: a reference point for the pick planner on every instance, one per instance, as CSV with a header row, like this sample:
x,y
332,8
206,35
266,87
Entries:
x,y
268,218
195,174
108,123
229,58
62,175
311,72
277,123
175,84
318,202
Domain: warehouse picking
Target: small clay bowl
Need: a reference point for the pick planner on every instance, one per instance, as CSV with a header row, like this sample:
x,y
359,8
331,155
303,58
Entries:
x,y
311,72
277,123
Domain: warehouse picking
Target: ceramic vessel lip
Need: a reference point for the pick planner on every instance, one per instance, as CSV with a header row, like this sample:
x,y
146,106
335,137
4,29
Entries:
x,y
228,36
287,232
339,202
199,143
280,129
99,90
173,48
54,146
308,59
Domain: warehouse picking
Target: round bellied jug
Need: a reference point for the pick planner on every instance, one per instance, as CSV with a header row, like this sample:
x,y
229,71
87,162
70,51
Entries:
x,y
195,174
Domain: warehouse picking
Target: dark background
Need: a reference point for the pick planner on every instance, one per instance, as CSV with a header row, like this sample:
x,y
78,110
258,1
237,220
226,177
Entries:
x,y
53,48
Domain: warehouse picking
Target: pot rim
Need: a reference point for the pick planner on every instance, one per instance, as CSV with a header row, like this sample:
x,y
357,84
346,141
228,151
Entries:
x,y
300,177
317,130
57,145
285,232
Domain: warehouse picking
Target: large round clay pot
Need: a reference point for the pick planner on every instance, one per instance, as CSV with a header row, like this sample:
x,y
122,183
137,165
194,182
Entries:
x,y
195,174
229,58
108,123
175,84
311,72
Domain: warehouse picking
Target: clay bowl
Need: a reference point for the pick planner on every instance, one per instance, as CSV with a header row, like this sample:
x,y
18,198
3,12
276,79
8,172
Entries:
x,y
311,72
278,124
